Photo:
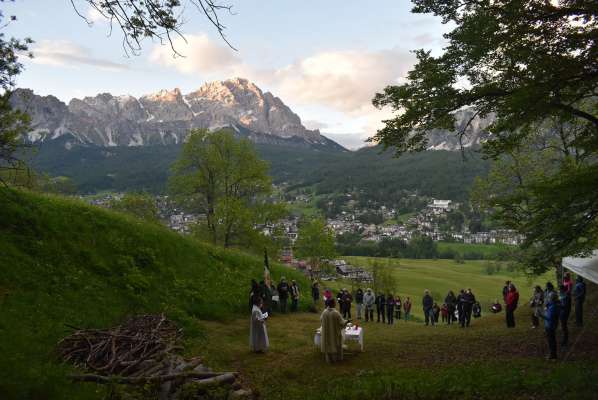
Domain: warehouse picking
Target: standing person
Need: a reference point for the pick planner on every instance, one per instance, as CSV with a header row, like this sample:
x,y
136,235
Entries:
x,y
511,305
390,309
294,295
551,318
315,292
407,308
258,334
579,292
451,301
380,307
549,290
327,295
460,311
283,294
427,303
254,291
331,339
369,299
339,300
275,297
436,312
468,300
266,296
444,312
565,300
568,282
398,306
537,304
359,302
347,300
505,290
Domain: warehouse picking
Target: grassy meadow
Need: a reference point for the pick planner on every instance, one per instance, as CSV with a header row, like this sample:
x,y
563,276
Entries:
x,y
439,276
65,262
409,361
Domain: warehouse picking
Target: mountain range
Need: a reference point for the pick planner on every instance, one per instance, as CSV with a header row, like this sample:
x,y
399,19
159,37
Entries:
x,y
165,117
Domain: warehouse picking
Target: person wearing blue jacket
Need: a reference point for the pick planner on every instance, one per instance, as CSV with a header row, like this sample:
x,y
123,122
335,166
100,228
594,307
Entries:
x,y
551,321
579,293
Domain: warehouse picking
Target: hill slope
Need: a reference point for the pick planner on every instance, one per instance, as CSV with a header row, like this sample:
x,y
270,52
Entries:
x,y
441,174
63,262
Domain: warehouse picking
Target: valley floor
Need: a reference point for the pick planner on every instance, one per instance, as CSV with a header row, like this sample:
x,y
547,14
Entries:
x,y
409,360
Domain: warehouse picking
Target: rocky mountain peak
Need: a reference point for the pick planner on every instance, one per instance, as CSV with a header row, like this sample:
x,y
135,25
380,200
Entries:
x,y
166,116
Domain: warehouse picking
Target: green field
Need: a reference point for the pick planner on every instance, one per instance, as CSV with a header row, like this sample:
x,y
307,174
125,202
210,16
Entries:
x,y
64,262
409,361
473,250
440,276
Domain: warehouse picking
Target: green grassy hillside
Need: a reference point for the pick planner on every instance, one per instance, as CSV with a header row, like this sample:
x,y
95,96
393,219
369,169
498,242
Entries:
x,y
64,262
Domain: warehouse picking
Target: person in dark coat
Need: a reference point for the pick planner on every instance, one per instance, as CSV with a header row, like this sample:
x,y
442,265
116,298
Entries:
x,y
359,302
565,300
266,294
283,294
460,312
579,293
428,303
467,299
315,292
253,293
551,318
505,290
390,309
347,300
436,312
295,294
380,307
451,302
511,305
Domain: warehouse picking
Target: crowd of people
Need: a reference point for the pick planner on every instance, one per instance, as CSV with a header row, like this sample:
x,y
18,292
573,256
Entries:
x,y
549,305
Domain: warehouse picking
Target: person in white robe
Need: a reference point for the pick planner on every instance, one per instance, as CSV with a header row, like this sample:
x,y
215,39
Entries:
x,y
331,343
258,334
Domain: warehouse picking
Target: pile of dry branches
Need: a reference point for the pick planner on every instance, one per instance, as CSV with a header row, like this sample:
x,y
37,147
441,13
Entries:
x,y
138,352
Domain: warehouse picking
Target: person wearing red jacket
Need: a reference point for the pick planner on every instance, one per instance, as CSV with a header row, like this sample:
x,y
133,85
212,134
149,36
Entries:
x,y
568,283
511,300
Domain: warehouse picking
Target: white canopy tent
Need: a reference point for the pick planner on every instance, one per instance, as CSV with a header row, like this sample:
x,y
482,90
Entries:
x,y
583,266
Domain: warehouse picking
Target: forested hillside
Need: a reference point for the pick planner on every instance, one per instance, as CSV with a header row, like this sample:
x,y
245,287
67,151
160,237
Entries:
x,y
441,174
64,262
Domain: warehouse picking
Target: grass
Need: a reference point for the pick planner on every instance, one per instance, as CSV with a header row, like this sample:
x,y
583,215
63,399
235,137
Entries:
x,y
62,261
474,250
440,276
408,361
65,262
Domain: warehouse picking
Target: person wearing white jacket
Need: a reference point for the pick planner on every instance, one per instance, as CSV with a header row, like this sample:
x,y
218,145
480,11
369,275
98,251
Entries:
x,y
369,299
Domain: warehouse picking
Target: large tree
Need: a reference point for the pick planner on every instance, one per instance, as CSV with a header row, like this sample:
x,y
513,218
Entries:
x,y
315,241
223,178
529,65
13,123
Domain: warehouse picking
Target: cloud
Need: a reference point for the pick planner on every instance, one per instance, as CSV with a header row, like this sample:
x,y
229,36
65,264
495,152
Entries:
x,y
340,81
197,55
343,80
93,15
66,53
311,124
352,141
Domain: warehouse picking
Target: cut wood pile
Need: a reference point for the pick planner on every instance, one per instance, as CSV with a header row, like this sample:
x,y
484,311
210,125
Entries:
x,y
142,351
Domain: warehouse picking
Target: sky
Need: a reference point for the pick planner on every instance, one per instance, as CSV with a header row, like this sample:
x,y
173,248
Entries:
x,y
324,59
